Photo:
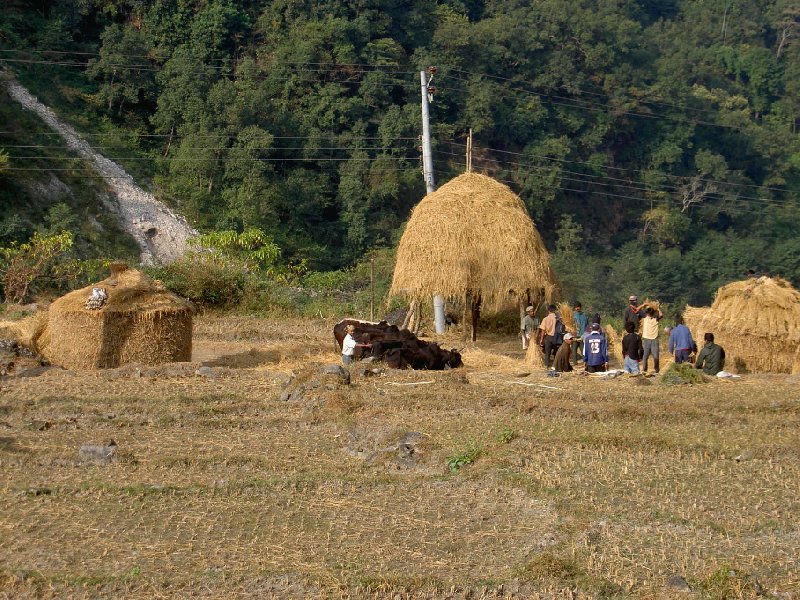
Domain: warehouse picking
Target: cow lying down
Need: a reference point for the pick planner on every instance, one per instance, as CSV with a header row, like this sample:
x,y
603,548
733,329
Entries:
x,y
398,348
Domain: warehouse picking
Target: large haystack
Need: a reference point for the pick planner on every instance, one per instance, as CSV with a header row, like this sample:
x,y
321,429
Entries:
x,y
140,322
756,321
473,238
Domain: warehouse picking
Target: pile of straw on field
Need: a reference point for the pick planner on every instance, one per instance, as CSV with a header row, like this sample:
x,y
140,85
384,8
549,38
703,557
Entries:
x,y
614,340
141,322
756,321
473,236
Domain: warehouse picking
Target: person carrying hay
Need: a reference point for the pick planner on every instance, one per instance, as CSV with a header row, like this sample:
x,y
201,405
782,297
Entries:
x,y
633,313
595,351
711,358
528,327
562,361
650,337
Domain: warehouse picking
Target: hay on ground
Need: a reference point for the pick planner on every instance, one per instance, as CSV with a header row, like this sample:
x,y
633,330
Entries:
x,y
756,321
796,364
534,357
473,236
141,322
614,346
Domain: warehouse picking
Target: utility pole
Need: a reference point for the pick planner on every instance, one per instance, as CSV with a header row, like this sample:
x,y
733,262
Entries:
x,y
427,172
427,160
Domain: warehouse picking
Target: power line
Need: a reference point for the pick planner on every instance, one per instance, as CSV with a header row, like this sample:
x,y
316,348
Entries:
x,y
596,107
628,170
635,186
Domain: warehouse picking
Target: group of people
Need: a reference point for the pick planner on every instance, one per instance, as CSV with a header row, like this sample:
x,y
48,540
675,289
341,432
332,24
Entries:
x,y
641,341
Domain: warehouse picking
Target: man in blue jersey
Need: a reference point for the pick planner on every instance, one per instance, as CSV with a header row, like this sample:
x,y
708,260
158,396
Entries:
x,y
595,351
681,343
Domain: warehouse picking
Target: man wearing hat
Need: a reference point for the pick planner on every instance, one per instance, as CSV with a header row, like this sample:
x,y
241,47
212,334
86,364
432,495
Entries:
x,y
595,351
561,362
634,312
528,327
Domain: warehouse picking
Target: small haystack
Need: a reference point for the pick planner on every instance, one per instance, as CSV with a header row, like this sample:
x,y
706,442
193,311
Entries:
x,y
756,321
614,341
139,322
472,241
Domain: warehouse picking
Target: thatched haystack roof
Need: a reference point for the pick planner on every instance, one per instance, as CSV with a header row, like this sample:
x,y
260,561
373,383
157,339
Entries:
x,y
756,321
140,322
472,235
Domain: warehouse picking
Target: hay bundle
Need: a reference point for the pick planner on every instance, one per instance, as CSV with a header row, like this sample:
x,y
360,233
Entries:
x,y
654,304
567,317
534,356
473,236
756,321
141,322
614,345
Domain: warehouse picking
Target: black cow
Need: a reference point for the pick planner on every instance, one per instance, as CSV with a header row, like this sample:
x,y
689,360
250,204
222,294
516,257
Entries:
x,y
399,349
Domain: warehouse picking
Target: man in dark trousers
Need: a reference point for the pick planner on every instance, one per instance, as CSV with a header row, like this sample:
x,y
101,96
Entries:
x,y
711,358
681,344
547,335
595,351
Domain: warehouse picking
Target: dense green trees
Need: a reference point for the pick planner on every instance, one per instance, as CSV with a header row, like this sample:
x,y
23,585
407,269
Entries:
x,y
660,137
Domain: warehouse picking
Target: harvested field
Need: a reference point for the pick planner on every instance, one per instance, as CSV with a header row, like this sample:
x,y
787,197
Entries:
x,y
261,477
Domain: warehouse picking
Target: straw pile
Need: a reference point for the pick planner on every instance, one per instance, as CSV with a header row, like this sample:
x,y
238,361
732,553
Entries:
x,y
756,321
534,356
141,322
614,346
473,236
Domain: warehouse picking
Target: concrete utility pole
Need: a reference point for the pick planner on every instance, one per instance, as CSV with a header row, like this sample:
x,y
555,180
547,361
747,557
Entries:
x,y
427,159
427,171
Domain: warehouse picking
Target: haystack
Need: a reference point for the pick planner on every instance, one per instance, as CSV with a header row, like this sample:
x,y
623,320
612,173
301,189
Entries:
x,y
756,321
614,342
140,322
473,239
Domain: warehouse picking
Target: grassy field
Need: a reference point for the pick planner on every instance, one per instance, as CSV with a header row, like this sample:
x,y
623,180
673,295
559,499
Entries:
x,y
482,482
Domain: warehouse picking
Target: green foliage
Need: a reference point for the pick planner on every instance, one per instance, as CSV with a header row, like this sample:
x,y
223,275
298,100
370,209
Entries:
x,y
506,435
641,136
208,283
684,373
23,264
464,457
253,248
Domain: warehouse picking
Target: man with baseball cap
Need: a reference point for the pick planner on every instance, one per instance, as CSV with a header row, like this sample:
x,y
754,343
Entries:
x,y
634,312
562,361
528,327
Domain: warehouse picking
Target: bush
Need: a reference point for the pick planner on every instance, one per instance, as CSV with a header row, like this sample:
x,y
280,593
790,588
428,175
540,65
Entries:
x,y
205,282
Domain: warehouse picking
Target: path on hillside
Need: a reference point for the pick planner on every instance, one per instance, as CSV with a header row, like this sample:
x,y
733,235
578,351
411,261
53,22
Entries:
x,y
162,235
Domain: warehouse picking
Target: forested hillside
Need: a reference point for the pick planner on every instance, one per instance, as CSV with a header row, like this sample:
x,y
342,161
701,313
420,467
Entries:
x,y
655,143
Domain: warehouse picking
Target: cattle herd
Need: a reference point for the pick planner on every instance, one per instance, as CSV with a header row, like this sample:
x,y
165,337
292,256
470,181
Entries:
x,y
398,348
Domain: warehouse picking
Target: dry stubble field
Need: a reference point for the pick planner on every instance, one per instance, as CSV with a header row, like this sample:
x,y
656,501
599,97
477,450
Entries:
x,y
582,488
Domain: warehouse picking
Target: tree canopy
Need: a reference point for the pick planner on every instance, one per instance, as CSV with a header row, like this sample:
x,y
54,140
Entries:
x,y
655,143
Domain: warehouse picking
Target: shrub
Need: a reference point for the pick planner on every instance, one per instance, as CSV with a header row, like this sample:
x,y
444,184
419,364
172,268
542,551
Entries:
x,y
23,264
205,282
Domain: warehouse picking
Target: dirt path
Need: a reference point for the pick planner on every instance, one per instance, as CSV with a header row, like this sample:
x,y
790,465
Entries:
x,y
161,234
